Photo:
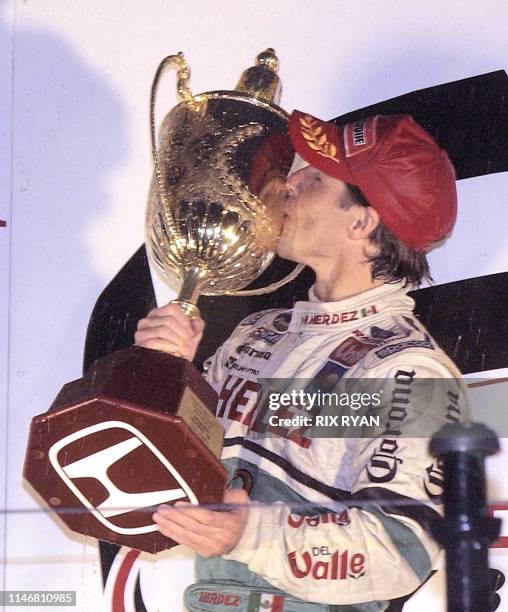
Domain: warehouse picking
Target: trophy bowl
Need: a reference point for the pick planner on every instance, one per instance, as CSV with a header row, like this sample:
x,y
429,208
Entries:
x,y
216,203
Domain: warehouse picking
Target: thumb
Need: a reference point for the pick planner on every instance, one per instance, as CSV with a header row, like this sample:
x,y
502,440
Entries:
x,y
236,496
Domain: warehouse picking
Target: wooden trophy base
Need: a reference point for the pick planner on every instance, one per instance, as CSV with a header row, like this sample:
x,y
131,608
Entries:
x,y
136,431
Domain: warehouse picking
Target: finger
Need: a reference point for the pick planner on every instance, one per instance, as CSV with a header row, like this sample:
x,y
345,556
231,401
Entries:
x,y
197,519
173,310
205,540
170,519
194,323
198,325
208,518
162,346
200,544
215,519
164,332
156,344
169,344
153,320
236,497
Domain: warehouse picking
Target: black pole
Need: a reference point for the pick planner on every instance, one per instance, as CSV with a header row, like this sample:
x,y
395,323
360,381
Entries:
x,y
466,530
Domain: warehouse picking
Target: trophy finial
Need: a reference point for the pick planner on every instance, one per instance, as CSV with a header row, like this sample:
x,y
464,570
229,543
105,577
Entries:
x,y
269,59
261,81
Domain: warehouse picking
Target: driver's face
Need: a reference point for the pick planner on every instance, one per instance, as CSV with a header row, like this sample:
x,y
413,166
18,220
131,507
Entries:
x,y
315,219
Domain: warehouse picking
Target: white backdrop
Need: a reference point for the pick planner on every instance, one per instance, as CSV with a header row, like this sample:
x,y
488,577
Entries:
x,y
75,168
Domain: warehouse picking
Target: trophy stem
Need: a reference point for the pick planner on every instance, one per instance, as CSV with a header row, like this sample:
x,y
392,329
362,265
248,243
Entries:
x,y
189,293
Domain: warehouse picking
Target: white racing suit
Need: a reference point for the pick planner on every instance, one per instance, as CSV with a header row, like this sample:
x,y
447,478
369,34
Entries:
x,y
354,526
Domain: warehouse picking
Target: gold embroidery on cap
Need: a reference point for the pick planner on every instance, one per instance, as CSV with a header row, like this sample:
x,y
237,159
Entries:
x,y
315,138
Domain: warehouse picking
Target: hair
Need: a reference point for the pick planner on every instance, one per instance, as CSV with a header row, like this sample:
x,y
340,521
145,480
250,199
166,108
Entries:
x,y
394,260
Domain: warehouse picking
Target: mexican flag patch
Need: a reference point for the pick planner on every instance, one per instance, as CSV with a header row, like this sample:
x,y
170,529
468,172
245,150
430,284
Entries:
x,y
266,602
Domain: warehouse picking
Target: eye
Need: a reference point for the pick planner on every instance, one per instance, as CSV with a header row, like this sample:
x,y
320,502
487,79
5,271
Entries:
x,y
317,177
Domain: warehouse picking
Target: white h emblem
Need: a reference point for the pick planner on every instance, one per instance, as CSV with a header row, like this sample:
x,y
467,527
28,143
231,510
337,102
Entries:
x,y
96,466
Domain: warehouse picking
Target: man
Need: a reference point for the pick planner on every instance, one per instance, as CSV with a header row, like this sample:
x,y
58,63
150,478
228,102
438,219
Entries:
x,y
366,203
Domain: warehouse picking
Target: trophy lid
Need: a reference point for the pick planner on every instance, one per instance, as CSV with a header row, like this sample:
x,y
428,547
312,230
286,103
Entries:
x,y
261,81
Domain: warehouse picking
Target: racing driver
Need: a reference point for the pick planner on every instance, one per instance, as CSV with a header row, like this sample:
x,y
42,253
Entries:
x,y
330,522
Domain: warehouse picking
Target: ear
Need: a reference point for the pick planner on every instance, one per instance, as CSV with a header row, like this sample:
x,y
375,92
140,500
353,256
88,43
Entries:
x,y
364,221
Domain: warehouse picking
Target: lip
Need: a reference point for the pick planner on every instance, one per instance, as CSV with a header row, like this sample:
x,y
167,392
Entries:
x,y
286,224
288,204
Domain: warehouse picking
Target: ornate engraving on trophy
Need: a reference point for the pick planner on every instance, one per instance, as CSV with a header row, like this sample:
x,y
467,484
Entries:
x,y
215,208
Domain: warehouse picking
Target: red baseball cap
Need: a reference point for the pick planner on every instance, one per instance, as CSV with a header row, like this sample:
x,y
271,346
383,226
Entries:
x,y
397,165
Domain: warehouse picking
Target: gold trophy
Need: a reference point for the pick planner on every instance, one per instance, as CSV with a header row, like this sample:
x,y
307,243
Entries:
x,y
215,210
139,429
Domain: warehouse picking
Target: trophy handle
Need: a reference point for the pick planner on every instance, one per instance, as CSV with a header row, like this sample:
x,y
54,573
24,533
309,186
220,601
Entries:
x,y
183,74
272,286
189,292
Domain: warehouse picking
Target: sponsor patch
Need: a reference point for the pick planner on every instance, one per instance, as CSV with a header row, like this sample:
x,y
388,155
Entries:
x,y
453,409
434,481
254,318
391,349
383,463
337,318
252,352
232,364
219,598
329,375
380,333
351,350
296,520
265,602
282,321
360,136
238,399
266,335
322,564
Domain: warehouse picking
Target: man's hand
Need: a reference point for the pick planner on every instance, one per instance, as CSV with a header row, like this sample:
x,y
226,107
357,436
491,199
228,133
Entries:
x,y
207,532
168,329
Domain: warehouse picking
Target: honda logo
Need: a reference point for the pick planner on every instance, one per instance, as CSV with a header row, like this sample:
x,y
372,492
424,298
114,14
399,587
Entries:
x,y
96,466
